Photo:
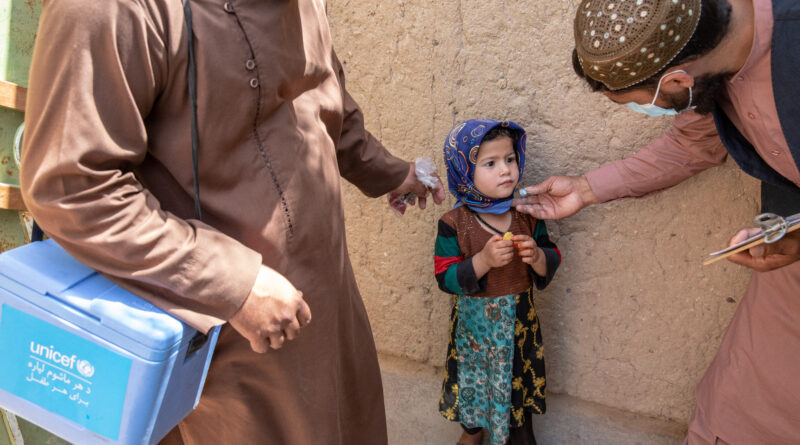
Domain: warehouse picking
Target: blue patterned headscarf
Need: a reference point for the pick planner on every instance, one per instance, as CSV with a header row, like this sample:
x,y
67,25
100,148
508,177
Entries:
x,y
461,155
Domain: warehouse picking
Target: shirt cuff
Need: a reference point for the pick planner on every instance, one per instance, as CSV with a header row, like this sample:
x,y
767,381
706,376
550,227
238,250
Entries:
x,y
606,183
552,261
221,273
469,282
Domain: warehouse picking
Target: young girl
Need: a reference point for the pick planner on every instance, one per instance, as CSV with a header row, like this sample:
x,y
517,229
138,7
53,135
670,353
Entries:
x,y
488,256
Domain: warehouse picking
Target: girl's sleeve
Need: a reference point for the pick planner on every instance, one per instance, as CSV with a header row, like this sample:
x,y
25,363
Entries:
x,y
551,253
454,274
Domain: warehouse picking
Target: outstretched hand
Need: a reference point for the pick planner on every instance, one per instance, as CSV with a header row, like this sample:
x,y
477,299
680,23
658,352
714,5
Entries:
x,y
556,197
766,257
413,189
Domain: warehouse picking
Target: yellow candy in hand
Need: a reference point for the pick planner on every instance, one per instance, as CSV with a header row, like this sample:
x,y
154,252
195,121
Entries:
x,y
507,236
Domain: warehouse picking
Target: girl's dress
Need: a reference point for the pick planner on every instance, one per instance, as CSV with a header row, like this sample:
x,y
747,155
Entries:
x,y
495,363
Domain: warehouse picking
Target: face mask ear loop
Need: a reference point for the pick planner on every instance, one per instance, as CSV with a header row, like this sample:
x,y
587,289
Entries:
x,y
658,88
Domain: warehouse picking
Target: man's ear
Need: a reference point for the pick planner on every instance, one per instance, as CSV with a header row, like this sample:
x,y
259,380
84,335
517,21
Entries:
x,y
677,81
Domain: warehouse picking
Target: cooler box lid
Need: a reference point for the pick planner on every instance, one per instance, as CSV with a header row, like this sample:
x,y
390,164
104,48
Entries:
x,y
96,302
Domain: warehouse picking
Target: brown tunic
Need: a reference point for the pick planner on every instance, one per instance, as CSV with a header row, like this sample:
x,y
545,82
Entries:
x,y
107,173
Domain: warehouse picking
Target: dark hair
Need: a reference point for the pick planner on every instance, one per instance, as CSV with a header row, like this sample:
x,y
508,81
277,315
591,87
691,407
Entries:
x,y
715,17
499,131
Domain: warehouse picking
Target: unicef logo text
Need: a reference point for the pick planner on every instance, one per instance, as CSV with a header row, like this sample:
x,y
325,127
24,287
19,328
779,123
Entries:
x,y
84,367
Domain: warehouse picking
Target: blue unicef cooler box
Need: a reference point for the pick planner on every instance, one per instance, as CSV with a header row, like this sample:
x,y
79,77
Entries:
x,y
88,360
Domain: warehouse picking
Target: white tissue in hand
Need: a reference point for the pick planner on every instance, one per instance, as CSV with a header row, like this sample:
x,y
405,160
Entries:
x,y
424,169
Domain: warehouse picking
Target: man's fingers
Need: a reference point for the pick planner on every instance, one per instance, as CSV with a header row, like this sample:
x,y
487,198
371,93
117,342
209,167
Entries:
x,y
276,340
418,188
291,329
528,200
538,211
304,314
742,259
438,193
743,235
519,202
758,251
759,264
785,246
542,187
259,345
422,202
768,256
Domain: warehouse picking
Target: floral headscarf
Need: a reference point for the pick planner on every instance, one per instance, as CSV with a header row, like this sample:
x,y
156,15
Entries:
x,y
461,156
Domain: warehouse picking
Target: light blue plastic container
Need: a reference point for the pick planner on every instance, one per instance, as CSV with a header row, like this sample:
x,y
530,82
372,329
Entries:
x,y
88,360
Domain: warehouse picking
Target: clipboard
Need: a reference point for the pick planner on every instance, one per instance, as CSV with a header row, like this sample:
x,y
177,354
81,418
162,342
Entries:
x,y
773,228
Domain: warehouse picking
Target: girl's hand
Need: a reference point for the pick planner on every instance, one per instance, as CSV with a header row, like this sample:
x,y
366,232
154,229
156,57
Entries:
x,y
526,248
497,252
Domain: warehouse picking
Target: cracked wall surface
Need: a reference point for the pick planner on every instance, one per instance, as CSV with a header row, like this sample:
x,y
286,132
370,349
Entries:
x,y
632,318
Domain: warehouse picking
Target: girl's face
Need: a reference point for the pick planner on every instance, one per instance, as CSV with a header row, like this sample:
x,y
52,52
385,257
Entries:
x,y
496,172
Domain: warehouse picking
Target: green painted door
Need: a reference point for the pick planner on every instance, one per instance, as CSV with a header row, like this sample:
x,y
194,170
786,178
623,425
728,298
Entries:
x,y
18,21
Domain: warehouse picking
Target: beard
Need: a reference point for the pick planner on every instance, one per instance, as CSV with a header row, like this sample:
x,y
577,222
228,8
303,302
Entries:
x,y
704,93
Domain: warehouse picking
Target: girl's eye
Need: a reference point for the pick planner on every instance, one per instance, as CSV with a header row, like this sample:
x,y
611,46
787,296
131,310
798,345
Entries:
x,y
490,163
511,159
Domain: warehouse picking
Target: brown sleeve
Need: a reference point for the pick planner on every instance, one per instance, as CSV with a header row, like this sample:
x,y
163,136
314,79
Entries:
x,y
362,159
97,69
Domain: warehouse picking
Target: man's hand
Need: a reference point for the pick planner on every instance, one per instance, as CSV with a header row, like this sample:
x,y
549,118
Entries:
x,y
273,312
766,257
413,185
556,197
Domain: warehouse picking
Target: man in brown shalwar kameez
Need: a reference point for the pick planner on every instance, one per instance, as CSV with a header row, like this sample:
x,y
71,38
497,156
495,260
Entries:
x,y
738,65
107,173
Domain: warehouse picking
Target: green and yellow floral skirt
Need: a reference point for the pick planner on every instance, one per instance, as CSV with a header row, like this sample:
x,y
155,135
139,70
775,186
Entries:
x,y
495,363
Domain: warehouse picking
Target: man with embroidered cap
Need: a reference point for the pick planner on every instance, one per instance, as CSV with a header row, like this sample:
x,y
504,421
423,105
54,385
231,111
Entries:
x,y
726,70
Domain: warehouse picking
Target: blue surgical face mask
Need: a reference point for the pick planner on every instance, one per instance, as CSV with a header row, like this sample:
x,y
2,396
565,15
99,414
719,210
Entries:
x,y
654,110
